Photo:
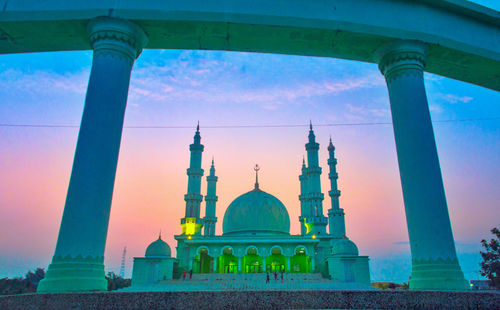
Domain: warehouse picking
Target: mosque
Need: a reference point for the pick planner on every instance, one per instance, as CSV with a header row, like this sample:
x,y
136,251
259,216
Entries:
x,y
256,230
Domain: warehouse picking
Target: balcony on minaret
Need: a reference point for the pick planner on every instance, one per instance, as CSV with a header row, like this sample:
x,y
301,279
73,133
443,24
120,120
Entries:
x,y
316,195
334,193
332,161
191,226
195,172
314,170
193,196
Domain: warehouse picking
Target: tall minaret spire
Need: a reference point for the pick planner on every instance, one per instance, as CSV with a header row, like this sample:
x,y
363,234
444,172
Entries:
x,y
314,220
335,214
191,224
210,199
303,198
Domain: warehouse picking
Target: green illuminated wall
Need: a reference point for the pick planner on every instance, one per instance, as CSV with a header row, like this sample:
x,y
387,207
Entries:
x,y
300,263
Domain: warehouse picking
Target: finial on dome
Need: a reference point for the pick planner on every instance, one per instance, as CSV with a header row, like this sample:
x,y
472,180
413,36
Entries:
x,y
310,125
303,160
212,160
198,126
256,168
159,235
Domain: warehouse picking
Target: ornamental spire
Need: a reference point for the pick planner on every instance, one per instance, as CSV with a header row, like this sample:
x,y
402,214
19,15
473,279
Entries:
x,y
312,137
256,168
331,147
197,137
212,168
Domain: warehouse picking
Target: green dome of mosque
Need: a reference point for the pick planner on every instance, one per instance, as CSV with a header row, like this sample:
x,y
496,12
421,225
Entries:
x,y
256,212
158,248
344,246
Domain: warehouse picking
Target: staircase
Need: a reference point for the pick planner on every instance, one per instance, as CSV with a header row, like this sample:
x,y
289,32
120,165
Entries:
x,y
249,282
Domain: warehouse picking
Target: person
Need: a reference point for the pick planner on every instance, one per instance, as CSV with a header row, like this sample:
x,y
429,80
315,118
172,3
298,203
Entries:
x,y
190,274
267,277
184,274
281,276
275,275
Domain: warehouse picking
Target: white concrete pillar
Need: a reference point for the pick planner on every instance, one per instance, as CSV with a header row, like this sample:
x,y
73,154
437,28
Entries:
x,y
215,265
239,264
313,263
190,263
434,260
289,267
77,264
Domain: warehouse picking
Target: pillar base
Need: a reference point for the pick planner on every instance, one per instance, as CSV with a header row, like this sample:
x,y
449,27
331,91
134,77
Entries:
x,y
74,275
442,275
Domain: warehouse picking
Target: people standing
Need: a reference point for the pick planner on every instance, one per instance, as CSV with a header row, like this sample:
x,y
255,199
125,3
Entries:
x,y
267,277
275,275
190,274
184,274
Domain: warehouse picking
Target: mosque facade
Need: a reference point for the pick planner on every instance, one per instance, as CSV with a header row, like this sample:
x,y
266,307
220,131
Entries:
x,y
256,230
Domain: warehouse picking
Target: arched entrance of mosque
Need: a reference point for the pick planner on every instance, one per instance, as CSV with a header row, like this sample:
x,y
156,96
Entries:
x,y
276,261
252,262
203,262
228,263
300,262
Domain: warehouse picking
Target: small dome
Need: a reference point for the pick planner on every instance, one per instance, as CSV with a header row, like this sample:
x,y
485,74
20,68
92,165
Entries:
x,y
256,212
344,246
158,248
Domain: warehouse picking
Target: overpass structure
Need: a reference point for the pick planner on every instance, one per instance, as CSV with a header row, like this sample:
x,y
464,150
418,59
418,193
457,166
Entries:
x,y
452,38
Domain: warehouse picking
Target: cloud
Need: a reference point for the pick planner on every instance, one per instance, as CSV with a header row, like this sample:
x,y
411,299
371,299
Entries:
x,y
267,81
436,108
44,82
196,79
361,112
451,98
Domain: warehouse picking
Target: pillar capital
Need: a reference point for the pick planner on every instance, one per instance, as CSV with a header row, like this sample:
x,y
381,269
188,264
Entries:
x,y
399,57
116,36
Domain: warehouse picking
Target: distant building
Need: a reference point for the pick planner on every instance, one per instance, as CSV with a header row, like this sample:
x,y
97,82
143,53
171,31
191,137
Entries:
x,y
256,230
480,285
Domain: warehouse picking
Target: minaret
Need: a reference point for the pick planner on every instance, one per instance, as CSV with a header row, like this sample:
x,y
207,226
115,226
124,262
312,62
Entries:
x,y
335,214
303,198
191,224
316,223
210,199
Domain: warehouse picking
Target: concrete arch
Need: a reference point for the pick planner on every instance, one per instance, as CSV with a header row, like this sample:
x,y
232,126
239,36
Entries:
x,y
276,247
227,247
300,246
250,247
403,49
201,247
313,28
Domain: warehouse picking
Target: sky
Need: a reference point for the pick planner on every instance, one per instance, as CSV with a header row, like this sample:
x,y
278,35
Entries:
x,y
175,88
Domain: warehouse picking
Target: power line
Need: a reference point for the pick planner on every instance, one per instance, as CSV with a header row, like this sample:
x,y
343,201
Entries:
x,y
252,126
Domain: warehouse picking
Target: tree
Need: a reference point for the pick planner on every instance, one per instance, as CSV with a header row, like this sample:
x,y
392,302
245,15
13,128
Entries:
x,y
21,285
490,266
115,282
